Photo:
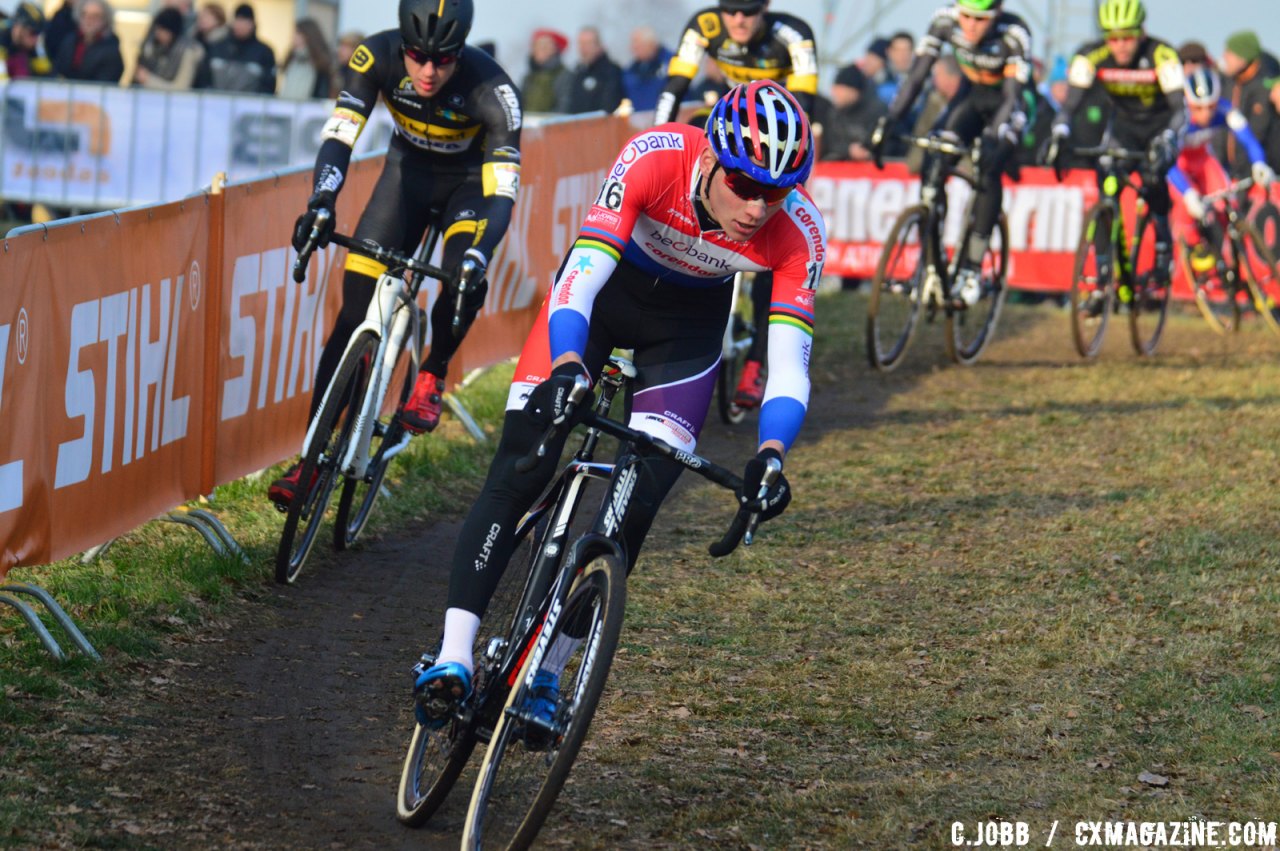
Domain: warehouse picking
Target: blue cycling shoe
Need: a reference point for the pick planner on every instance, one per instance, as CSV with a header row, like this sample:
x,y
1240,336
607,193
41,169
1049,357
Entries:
x,y
540,707
437,691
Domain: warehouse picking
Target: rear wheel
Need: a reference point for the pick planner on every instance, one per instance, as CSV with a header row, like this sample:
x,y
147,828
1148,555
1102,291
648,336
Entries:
x,y
970,330
526,764
896,290
1149,303
1262,275
329,441
1092,292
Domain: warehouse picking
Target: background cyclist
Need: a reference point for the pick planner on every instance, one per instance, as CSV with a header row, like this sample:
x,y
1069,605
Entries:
x,y
652,270
454,158
993,49
1143,77
1197,171
747,42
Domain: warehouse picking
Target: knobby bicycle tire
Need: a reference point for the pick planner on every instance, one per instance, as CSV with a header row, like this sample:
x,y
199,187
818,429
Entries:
x,y
518,782
436,759
332,433
969,331
360,494
1092,284
1149,301
893,312
1263,289
1206,289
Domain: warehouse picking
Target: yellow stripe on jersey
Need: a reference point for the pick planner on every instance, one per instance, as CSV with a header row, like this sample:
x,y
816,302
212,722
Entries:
x,y
805,84
738,75
433,132
677,67
362,265
464,226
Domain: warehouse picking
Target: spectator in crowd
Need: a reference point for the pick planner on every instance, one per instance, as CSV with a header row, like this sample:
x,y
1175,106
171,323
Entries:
x,y
645,77
899,54
855,109
1040,112
1244,64
1193,55
169,58
240,62
185,8
596,82
308,70
92,53
211,25
21,54
875,64
61,26
346,47
947,79
545,78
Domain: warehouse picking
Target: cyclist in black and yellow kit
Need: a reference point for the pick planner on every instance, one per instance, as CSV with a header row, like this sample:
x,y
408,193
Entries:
x,y
454,159
1143,77
748,43
992,48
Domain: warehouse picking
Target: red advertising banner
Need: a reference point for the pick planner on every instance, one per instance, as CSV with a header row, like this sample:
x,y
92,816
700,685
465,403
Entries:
x,y
102,329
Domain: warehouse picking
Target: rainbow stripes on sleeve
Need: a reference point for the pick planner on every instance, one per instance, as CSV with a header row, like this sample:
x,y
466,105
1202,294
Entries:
x,y
789,315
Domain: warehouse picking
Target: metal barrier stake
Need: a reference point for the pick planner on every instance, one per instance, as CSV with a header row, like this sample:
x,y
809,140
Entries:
x,y
33,620
59,614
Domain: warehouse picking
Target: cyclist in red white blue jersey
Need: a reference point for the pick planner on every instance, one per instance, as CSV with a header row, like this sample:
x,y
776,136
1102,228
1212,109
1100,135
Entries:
x,y
651,270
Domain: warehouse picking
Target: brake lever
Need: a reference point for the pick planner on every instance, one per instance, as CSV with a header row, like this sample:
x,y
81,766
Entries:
x,y
772,469
581,387
304,256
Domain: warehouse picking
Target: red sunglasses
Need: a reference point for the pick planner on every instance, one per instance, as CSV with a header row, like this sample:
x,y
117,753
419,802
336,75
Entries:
x,y
748,189
440,60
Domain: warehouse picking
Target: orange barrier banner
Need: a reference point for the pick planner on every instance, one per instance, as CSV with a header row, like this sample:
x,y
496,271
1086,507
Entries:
x,y
149,356
101,394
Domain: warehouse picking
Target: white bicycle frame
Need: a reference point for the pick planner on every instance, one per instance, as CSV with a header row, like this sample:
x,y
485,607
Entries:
x,y
731,348
392,316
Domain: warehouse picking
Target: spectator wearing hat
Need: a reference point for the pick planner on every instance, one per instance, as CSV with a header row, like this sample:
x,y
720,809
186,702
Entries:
x,y
644,79
92,52
596,82
170,56
855,109
21,54
1248,70
308,70
875,64
542,81
1193,55
240,62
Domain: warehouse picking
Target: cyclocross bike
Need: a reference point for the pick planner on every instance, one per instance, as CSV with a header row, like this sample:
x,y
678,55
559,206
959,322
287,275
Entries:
x,y
559,583
739,335
915,273
1244,277
1110,273
353,436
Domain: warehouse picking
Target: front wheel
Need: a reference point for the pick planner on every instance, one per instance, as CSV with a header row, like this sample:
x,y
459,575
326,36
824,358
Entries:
x,y
329,441
970,330
1258,262
896,291
1218,304
527,763
1149,304
1092,290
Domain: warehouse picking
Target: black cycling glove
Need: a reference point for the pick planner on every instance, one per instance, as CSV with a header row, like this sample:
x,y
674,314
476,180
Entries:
x,y
549,402
323,199
778,496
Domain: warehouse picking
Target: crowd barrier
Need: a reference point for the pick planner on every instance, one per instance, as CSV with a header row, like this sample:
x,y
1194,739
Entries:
x,y
149,355
860,204
89,146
